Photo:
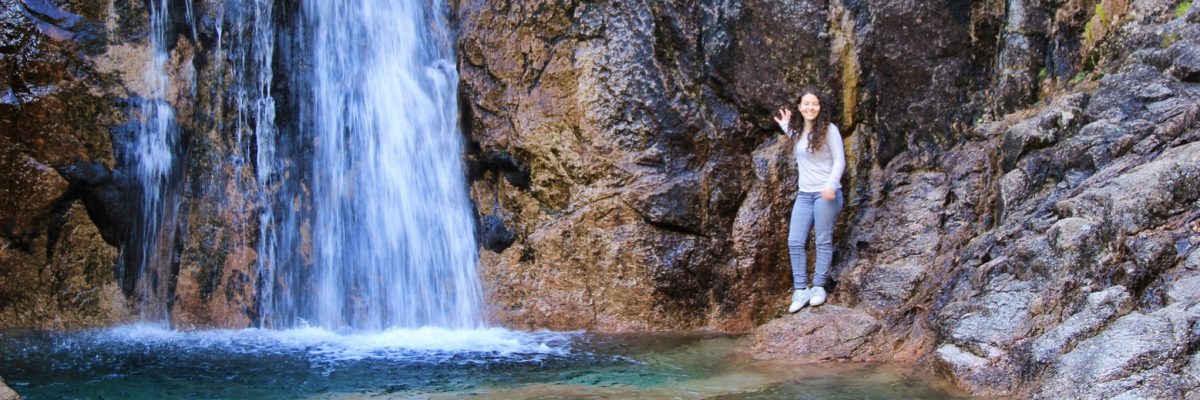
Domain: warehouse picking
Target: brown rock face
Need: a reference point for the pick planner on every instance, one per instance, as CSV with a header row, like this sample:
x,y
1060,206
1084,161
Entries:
x,y
75,74
628,178
1021,195
68,284
56,268
657,117
623,166
818,334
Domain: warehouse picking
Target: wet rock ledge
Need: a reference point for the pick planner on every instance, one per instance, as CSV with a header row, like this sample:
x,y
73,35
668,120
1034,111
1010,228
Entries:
x,y
6,393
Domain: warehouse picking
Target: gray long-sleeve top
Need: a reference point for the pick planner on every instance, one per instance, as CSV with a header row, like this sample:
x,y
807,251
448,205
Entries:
x,y
823,168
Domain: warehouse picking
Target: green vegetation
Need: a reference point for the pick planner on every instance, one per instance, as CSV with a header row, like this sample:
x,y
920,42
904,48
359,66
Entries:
x,y
1096,26
1078,77
1182,8
1042,74
1169,39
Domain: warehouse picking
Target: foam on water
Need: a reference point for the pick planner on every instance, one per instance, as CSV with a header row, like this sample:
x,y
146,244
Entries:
x,y
153,362
425,344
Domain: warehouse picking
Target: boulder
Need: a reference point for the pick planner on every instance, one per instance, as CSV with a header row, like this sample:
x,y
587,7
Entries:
x,y
7,393
827,332
1135,357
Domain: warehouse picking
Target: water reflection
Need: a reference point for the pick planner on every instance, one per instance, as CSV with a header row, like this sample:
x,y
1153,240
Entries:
x,y
146,361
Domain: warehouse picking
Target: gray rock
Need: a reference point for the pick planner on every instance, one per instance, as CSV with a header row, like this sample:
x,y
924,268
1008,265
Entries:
x,y
1038,132
1014,185
960,360
1099,309
1157,383
1140,198
1193,259
1000,316
1027,16
889,284
1129,358
1193,368
1018,70
1151,7
1074,238
980,375
903,228
1185,63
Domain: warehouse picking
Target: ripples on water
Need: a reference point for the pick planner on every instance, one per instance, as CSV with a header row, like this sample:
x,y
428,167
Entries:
x,y
147,361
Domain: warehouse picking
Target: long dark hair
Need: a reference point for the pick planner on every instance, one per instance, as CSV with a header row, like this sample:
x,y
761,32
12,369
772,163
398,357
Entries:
x,y
820,125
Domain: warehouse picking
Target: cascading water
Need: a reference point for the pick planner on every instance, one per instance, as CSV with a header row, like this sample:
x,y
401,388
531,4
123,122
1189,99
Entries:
x,y
392,238
152,162
364,221
251,47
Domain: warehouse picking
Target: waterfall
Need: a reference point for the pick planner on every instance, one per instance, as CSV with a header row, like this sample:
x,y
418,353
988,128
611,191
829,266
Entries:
x,y
364,221
388,240
248,57
152,162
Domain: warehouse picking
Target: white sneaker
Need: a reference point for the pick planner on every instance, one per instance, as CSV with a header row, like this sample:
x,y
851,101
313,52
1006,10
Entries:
x,y
799,299
818,296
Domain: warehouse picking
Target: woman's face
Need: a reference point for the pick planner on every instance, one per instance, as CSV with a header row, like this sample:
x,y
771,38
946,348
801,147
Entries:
x,y
810,107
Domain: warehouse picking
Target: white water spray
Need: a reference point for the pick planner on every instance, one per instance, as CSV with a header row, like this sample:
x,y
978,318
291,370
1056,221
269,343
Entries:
x,y
153,162
392,237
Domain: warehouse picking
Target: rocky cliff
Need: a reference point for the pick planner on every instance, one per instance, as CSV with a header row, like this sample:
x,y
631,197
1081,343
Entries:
x,y
1022,193
57,254
75,73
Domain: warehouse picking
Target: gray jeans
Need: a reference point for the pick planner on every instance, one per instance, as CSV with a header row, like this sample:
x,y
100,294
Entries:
x,y
811,211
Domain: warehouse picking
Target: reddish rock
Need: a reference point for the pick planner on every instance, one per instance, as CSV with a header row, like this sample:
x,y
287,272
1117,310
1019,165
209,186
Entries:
x,y
827,332
69,286
29,190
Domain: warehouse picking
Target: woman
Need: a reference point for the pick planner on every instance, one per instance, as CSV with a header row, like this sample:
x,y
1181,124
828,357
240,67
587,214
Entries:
x,y
820,160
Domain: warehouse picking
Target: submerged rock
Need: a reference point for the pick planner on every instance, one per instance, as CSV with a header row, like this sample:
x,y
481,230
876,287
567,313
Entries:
x,y
7,393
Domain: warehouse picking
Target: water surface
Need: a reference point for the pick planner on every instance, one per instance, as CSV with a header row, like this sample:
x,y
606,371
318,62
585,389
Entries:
x,y
150,362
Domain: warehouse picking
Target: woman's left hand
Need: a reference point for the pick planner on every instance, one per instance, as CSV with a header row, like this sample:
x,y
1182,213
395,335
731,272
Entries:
x,y
828,194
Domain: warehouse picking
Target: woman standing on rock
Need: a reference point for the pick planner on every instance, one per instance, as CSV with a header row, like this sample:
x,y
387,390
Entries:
x,y
820,160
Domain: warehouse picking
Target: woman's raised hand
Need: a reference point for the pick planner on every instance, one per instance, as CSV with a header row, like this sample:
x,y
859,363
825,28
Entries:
x,y
784,116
